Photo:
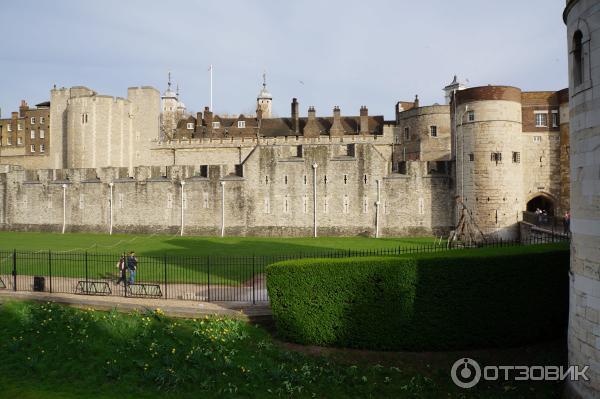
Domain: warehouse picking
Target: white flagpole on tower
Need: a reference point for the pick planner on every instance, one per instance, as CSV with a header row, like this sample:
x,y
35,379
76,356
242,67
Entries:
x,y
211,89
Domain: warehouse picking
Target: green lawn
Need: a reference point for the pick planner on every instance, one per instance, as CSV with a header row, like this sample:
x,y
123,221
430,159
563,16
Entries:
x,y
232,259
51,351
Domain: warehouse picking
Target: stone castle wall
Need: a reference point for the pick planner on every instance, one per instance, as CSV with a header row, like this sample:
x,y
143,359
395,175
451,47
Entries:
x,y
274,196
584,303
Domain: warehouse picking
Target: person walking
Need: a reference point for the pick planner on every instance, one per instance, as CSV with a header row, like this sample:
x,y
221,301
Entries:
x,y
132,266
567,222
121,265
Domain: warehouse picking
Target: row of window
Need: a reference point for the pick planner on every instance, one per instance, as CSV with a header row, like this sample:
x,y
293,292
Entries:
x,y
41,136
433,132
541,118
217,125
42,148
497,157
20,126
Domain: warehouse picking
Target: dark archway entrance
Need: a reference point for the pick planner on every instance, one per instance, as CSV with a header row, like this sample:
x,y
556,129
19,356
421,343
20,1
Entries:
x,y
541,202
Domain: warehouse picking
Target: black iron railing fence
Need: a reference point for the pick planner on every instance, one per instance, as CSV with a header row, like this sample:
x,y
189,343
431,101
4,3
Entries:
x,y
200,278
554,224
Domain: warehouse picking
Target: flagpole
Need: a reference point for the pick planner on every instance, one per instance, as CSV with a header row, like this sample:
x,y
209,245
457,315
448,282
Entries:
x,y
211,102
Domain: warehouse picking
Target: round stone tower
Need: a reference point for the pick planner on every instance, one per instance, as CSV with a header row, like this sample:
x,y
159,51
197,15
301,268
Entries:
x,y
264,100
488,166
583,38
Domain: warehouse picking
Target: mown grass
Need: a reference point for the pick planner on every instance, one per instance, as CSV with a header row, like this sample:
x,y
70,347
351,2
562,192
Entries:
x,y
171,258
51,351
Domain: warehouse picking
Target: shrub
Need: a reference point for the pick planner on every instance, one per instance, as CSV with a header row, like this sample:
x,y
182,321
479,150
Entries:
x,y
452,300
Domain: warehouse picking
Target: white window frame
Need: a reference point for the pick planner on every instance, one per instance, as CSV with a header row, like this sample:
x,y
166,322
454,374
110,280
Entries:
x,y
19,126
32,148
216,125
541,118
19,141
42,148
9,128
537,139
241,124
42,120
471,116
8,140
32,120
42,134
190,126
433,130
32,134
555,118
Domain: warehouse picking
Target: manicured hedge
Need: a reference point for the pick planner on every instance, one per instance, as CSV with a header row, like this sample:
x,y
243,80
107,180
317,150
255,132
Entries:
x,y
452,300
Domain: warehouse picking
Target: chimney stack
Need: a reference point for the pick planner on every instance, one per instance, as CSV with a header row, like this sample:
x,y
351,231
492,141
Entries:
x,y
336,127
312,128
22,108
312,114
364,120
295,116
208,119
416,105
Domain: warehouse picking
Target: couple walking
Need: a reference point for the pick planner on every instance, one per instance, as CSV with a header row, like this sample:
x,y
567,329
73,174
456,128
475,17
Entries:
x,y
127,262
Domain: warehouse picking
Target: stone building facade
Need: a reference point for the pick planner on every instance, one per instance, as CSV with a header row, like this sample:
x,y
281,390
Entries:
x,y
26,133
583,37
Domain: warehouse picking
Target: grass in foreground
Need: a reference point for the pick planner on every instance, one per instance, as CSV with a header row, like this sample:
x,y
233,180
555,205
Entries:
x,y
51,351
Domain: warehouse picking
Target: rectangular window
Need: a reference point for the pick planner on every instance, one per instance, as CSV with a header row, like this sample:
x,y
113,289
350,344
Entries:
x,y
537,139
471,157
19,141
19,126
554,118
407,133
402,167
42,134
397,139
32,148
9,128
32,120
299,152
433,130
470,116
42,148
190,126
32,134
42,120
216,125
516,157
496,157
8,140
286,204
350,150
205,200
241,124
541,119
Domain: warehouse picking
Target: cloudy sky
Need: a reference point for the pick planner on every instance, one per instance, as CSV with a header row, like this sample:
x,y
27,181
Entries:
x,y
325,53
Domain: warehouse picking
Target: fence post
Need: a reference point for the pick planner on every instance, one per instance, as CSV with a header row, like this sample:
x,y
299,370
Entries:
x,y
166,281
87,288
14,271
253,283
50,269
208,275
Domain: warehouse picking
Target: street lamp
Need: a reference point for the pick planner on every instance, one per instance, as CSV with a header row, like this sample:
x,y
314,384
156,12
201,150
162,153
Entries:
x,y
315,166
182,203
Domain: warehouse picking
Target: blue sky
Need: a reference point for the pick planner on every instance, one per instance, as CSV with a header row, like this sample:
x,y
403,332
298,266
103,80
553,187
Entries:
x,y
325,53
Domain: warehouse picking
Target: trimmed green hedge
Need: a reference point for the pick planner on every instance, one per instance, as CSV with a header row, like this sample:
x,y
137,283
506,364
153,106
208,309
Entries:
x,y
451,300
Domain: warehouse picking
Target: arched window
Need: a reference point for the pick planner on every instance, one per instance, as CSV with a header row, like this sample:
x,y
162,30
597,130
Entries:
x,y
577,58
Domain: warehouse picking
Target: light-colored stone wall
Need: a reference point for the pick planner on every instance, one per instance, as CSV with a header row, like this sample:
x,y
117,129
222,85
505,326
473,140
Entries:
x,y
421,145
584,306
274,197
492,191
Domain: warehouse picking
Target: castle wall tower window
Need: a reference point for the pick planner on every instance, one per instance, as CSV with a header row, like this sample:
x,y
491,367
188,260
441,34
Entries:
x,y
299,151
84,118
433,131
471,157
555,118
241,124
407,133
577,58
537,139
516,157
496,157
286,204
285,180
541,118
471,116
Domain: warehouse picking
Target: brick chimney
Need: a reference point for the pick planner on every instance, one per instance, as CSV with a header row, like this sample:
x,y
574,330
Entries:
x,y
208,120
336,129
416,103
364,120
22,108
312,128
295,116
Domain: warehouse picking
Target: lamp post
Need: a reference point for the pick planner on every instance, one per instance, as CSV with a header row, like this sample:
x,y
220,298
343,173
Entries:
x,y
377,203
64,186
222,209
182,206
315,166
110,204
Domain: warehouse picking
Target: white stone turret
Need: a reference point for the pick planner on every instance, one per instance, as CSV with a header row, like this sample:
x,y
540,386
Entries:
x,y
264,100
